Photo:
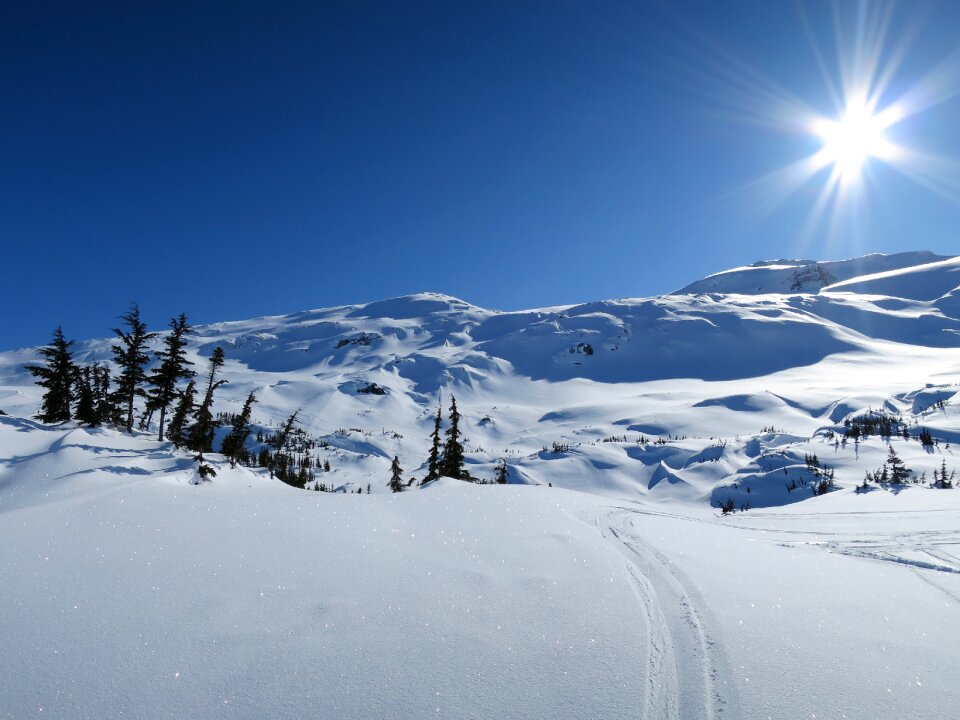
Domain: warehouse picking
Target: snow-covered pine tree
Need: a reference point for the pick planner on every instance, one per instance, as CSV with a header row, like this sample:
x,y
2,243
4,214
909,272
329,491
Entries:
x,y
57,377
132,360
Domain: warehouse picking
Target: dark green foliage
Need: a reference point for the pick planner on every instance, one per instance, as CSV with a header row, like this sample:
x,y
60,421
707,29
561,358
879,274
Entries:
x,y
926,439
173,368
433,461
57,376
290,461
185,405
892,471
200,437
204,471
873,422
452,463
283,435
234,444
83,385
943,479
396,476
823,475
899,473
501,473
131,357
105,410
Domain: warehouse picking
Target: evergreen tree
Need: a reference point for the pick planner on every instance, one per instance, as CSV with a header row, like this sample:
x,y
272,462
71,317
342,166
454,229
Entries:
x,y
234,444
501,472
283,434
105,411
132,360
173,367
452,464
899,473
180,414
83,384
57,376
433,462
200,438
396,476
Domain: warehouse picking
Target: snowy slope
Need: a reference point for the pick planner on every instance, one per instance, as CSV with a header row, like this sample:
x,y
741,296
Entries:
x,y
792,276
244,597
920,282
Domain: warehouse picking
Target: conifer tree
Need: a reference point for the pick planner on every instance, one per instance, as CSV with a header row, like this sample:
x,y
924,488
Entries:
x,y
132,359
86,411
201,432
234,444
175,431
433,462
173,367
452,464
899,473
501,472
57,376
283,434
396,476
104,407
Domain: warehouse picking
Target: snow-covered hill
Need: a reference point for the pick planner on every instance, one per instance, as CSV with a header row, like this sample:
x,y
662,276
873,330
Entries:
x,y
697,366
806,276
244,597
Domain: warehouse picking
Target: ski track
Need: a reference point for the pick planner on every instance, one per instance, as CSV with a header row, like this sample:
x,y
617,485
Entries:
x,y
894,548
688,676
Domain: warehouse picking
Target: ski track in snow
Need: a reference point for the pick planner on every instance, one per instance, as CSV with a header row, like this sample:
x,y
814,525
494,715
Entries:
x,y
688,676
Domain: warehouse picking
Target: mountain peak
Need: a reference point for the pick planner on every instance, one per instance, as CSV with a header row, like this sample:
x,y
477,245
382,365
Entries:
x,y
807,276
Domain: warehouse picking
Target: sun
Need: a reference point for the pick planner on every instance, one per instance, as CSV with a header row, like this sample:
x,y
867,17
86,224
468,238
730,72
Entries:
x,y
852,139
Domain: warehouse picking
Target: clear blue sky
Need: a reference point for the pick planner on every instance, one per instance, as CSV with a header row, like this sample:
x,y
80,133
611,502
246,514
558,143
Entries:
x,y
233,159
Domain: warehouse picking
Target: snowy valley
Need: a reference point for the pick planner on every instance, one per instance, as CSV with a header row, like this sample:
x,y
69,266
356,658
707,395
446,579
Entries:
x,y
738,500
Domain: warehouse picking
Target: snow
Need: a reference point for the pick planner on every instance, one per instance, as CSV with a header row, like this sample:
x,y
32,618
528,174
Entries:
x,y
603,582
786,276
920,282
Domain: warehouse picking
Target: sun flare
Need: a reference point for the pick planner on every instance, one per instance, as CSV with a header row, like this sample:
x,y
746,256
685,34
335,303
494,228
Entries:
x,y
852,139
863,129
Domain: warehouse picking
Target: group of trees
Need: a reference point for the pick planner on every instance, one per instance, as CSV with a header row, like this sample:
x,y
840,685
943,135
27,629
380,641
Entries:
x,y
893,471
92,396
885,425
446,455
823,474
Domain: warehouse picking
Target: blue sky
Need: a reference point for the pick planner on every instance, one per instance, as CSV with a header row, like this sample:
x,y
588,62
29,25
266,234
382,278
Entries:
x,y
236,159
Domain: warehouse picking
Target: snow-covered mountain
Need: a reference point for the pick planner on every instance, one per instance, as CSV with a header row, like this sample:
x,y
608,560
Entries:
x,y
805,276
245,597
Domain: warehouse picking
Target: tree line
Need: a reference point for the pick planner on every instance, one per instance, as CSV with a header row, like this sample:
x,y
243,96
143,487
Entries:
x,y
94,396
